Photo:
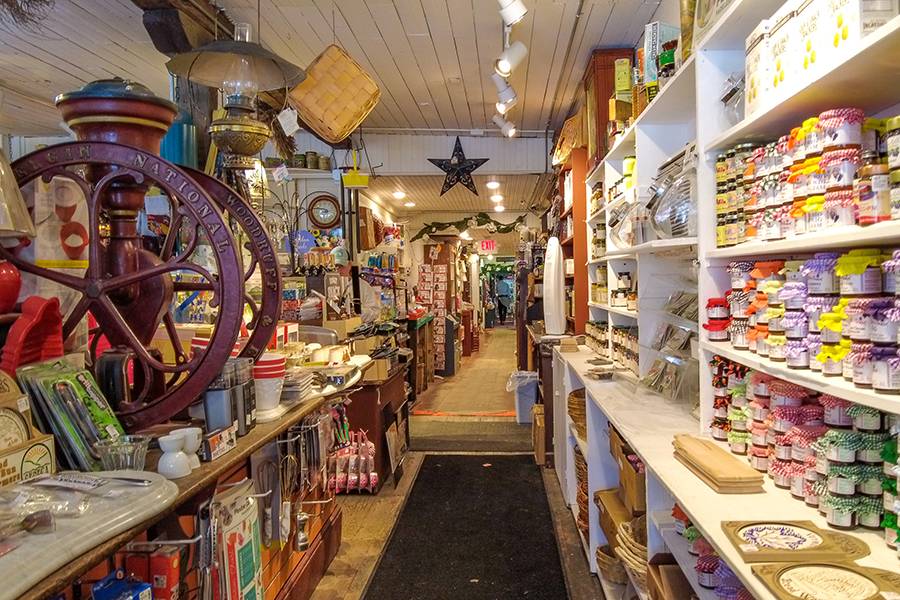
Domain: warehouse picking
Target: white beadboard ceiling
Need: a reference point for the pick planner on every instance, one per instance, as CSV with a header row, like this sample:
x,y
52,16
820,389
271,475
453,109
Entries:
x,y
425,191
432,58
78,42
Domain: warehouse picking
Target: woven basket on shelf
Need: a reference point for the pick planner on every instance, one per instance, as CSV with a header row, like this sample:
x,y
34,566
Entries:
x,y
576,409
610,567
336,96
637,569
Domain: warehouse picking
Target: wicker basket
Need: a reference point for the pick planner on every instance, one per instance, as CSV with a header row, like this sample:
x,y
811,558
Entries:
x,y
610,567
636,569
336,96
575,405
626,537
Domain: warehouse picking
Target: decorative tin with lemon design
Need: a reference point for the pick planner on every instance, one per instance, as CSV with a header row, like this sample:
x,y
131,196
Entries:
x,y
756,73
782,50
848,21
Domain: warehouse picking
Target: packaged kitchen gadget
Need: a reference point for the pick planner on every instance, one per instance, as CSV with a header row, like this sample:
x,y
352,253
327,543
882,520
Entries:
x,y
69,403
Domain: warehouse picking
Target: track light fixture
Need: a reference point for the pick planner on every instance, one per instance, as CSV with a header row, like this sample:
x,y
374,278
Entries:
x,y
506,95
507,128
510,58
512,11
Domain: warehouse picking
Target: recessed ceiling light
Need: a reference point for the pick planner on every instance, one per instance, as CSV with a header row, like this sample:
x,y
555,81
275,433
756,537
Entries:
x,y
399,195
409,204
499,208
465,235
493,185
497,198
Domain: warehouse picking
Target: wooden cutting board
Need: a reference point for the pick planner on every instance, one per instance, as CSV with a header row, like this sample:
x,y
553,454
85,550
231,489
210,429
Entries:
x,y
705,457
719,488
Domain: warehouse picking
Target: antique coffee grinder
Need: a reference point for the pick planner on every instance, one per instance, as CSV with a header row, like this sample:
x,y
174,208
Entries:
x,y
128,288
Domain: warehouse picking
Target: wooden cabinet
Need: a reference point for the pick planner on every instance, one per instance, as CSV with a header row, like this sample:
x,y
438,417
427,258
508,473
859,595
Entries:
x,y
599,84
376,407
421,342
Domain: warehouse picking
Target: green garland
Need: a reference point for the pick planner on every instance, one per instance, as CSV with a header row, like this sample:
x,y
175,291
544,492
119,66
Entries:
x,y
496,269
479,220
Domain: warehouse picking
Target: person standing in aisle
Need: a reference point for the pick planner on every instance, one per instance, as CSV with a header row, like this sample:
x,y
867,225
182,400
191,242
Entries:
x,y
504,298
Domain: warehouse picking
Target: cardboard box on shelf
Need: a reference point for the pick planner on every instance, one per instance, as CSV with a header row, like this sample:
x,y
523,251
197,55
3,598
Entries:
x,y
655,35
666,580
343,326
622,70
537,434
378,370
619,110
632,488
28,460
612,514
632,485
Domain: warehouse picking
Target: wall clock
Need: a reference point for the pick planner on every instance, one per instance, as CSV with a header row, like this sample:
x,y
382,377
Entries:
x,y
324,212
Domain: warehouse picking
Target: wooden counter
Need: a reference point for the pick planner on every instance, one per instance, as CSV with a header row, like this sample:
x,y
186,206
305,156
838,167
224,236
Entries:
x,y
198,485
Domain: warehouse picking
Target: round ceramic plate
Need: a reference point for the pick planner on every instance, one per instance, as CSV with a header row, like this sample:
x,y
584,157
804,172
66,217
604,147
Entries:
x,y
13,428
826,582
779,536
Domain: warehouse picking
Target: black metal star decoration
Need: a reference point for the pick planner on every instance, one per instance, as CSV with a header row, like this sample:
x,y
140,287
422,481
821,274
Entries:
x,y
458,169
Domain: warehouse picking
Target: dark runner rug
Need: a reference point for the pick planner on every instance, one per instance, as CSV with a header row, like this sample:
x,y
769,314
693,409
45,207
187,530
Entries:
x,y
474,527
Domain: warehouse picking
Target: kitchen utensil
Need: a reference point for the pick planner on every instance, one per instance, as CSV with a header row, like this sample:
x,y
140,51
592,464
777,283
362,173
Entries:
x,y
267,479
124,452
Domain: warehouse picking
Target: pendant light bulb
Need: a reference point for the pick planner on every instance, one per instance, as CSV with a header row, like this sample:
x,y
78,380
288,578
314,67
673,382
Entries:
x,y
512,11
506,128
510,58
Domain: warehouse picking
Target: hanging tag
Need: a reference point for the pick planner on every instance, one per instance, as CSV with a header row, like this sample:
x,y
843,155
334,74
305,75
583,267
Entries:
x,y
288,121
280,174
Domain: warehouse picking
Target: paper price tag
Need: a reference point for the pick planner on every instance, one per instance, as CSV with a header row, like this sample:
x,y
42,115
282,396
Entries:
x,y
288,121
280,174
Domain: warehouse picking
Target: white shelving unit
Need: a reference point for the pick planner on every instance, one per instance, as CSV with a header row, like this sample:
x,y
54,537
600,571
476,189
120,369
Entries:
x,y
688,110
648,422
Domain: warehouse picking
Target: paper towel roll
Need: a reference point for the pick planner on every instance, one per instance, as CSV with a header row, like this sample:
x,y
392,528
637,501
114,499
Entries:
x,y
554,289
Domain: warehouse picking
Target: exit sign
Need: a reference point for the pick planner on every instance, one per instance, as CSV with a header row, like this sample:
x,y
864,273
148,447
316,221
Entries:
x,y
488,246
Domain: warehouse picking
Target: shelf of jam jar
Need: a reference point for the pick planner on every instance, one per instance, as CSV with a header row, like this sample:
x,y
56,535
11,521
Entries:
x,y
886,233
859,81
678,546
836,386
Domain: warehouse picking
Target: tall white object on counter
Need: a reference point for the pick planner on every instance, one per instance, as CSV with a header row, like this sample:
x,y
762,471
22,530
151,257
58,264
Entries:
x,y
554,289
